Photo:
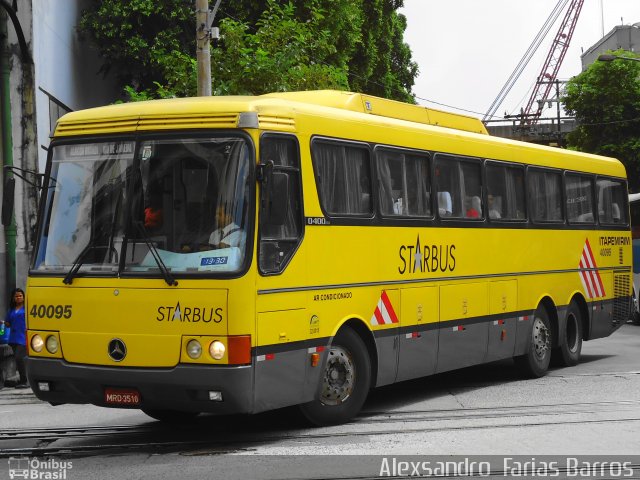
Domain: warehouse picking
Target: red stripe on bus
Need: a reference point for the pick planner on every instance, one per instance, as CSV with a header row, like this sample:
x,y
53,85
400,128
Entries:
x,y
389,307
378,315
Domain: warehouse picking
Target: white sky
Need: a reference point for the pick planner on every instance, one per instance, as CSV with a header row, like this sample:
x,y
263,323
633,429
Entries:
x,y
467,49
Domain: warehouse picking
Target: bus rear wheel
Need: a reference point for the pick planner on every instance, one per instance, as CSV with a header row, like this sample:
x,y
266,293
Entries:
x,y
170,416
344,384
535,362
567,354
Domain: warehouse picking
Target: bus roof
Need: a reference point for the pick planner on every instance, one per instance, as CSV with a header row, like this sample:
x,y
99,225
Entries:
x,y
283,112
204,112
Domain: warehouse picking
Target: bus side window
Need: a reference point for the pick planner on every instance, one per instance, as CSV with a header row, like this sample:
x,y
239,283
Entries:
x,y
611,201
280,233
579,198
545,195
343,177
403,183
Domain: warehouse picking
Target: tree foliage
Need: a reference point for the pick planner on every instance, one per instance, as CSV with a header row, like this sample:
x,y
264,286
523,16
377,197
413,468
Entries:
x,y
605,99
266,45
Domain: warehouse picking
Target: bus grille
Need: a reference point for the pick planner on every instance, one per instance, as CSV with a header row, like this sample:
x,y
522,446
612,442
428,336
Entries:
x,y
621,303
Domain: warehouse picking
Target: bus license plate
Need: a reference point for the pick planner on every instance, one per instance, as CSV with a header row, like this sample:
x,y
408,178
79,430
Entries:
x,y
120,396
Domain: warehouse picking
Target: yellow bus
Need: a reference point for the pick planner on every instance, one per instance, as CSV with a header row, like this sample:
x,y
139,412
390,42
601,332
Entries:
x,y
240,254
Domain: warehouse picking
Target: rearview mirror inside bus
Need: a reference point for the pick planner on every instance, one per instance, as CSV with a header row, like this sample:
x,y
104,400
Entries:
x,y
7,200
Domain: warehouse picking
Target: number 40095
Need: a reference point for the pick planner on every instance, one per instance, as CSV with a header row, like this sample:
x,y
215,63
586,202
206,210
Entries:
x,y
50,311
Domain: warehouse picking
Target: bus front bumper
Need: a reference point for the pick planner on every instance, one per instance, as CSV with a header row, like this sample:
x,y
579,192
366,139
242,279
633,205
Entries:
x,y
184,387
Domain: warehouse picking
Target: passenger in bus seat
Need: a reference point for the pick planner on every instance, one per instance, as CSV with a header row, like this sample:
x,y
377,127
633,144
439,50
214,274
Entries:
x,y
494,209
475,211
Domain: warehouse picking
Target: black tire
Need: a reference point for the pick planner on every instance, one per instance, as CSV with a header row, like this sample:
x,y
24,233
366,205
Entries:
x,y
344,384
535,362
567,353
170,416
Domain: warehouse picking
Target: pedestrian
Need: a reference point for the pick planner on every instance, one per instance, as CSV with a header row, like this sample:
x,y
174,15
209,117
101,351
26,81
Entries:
x,y
15,320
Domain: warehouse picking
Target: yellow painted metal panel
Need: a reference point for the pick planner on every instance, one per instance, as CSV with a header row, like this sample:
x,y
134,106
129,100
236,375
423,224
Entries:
x,y
283,326
503,297
128,310
419,306
143,350
466,300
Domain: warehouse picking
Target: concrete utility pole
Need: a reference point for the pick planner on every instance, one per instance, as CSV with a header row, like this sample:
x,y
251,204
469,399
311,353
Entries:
x,y
204,34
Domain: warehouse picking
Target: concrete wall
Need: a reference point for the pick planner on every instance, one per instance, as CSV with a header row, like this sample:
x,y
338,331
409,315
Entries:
x,y
66,65
623,37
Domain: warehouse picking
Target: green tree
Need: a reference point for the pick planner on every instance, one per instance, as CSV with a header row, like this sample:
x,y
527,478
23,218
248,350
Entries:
x,y
382,64
148,44
605,99
283,54
267,45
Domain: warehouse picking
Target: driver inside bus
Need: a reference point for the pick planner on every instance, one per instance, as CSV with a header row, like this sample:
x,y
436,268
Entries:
x,y
228,234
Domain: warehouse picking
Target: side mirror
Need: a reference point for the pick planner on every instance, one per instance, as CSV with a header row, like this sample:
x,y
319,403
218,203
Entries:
x,y
8,200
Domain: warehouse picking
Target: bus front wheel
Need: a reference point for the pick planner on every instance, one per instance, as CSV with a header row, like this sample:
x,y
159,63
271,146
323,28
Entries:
x,y
535,362
344,383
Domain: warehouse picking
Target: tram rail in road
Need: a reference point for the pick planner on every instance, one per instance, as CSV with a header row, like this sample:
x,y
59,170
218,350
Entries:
x,y
99,439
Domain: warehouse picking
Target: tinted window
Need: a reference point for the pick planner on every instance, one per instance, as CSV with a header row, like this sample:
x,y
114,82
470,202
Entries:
x,y
505,192
611,201
579,196
343,177
281,230
404,185
545,195
458,187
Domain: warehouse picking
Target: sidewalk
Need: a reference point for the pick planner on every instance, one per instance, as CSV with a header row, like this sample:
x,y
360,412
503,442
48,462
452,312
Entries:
x,y
16,396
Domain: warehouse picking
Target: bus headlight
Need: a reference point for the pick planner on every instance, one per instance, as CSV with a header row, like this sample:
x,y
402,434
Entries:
x,y
217,349
52,344
37,343
194,349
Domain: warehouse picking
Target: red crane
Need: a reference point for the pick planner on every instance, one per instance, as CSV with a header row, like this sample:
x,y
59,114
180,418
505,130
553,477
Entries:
x,y
551,66
549,72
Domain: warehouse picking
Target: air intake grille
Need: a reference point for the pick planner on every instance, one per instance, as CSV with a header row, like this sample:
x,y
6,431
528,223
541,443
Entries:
x,y
621,303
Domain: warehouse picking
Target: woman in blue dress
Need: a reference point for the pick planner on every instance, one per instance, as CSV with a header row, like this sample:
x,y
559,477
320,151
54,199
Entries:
x,y
18,336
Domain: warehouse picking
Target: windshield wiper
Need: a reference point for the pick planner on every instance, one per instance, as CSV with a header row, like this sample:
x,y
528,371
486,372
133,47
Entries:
x,y
166,274
77,263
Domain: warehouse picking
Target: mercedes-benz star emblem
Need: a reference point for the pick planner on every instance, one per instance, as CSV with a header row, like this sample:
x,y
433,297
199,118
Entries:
x,y
117,350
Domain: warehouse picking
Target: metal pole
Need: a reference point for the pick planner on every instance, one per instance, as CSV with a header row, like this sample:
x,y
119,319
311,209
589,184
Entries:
x,y
6,153
558,111
203,55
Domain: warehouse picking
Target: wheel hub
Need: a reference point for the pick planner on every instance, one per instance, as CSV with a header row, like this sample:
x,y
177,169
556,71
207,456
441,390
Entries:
x,y
541,339
339,376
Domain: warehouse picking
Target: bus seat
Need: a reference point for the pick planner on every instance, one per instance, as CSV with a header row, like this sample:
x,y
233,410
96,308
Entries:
x,y
615,212
476,204
585,217
445,208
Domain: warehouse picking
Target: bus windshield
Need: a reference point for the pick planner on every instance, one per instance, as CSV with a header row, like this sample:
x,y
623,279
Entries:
x,y
178,204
